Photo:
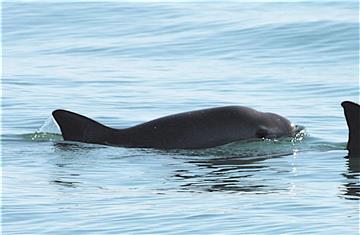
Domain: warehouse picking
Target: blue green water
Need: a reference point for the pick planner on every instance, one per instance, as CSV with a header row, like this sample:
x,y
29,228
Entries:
x,y
126,63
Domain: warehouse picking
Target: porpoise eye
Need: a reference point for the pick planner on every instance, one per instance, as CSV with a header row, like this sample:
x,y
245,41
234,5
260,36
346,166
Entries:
x,y
261,133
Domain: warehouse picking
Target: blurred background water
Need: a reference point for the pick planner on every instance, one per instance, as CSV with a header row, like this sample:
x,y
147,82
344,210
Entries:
x,y
126,63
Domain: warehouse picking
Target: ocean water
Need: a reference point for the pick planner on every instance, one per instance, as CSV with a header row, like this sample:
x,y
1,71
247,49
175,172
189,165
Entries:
x,y
126,63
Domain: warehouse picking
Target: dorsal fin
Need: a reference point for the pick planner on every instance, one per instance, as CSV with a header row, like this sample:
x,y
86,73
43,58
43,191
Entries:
x,y
75,127
352,115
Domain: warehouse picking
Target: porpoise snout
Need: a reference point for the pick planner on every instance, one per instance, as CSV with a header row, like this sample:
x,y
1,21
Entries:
x,y
297,129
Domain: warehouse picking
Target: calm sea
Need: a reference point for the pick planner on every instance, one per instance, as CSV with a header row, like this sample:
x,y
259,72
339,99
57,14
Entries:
x,y
126,63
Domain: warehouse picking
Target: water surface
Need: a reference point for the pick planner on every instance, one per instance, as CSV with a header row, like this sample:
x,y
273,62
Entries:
x,y
125,63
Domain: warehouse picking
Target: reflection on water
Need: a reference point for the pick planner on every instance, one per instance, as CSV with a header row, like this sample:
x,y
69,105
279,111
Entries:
x,y
245,167
65,183
227,175
352,175
234,167
241,167
75,146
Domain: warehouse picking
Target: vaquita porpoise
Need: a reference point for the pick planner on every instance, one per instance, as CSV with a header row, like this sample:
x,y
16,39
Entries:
x,y
197,129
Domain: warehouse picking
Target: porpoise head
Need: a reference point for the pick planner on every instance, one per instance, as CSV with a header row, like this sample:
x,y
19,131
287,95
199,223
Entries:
x,y
277,126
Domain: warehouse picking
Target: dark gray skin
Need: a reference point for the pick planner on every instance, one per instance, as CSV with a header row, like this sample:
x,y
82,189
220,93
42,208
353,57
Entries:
x,y
352,115
190,130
